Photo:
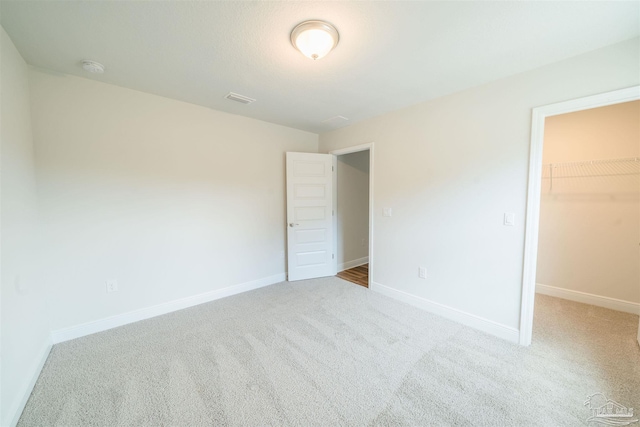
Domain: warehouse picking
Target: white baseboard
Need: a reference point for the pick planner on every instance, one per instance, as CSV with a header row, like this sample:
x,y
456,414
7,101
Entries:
x,y
353,263
468,319
89,328
586,298
24,394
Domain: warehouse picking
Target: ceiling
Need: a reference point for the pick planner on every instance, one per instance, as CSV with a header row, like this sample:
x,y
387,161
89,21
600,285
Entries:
x,y
391,54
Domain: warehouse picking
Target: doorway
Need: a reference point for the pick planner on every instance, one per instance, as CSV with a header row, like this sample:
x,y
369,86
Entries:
x,y
579,180
353,219
590,206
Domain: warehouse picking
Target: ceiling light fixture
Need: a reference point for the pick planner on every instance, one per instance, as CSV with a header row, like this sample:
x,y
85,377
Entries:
x,y
314,38
93,66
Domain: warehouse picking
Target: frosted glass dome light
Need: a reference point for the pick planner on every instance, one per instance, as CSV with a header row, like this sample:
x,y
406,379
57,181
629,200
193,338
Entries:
x,y
314,39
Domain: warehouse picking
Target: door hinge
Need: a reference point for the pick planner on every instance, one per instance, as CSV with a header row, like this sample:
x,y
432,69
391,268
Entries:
x,y
333,213
333,256
331,168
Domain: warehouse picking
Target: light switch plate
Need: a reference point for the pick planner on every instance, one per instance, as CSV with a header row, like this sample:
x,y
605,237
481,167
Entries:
x,y
509,218
387,211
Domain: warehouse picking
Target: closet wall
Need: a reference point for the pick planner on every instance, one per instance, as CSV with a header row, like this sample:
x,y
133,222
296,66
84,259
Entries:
x,y
590,211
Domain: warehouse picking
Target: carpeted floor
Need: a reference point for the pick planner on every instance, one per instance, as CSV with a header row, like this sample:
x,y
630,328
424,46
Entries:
x,y
326,352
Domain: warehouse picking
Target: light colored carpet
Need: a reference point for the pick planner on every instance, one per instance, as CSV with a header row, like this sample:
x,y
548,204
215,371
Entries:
x,y
327,352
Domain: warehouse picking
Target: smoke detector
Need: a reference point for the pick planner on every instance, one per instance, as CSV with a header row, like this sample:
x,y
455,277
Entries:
x,y
92,66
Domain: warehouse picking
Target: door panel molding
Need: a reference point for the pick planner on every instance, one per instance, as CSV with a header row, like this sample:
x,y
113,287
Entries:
x,y
310,226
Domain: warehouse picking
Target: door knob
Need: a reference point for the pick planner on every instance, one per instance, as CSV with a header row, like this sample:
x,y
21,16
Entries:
x,y
291,224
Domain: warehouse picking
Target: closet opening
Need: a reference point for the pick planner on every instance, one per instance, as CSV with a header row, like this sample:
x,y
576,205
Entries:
x,y
589,226
582,237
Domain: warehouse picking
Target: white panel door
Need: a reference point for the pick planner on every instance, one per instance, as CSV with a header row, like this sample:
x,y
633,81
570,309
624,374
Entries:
x,y
309,216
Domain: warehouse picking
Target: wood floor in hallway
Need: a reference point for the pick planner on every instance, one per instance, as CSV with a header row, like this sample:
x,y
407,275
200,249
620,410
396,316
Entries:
x,y
358,275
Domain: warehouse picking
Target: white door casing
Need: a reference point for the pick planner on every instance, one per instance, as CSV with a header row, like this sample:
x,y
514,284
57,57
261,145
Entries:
x,y
310,231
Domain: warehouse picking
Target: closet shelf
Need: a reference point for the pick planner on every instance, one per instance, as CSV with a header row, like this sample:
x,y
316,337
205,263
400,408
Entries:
x,y
621,173
592,168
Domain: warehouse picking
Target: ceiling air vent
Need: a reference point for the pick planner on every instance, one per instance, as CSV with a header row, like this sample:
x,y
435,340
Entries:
x,y
336,120
239,98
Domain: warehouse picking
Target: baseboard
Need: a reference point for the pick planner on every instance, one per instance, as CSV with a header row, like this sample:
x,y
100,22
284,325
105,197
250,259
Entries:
x,y
468,319
89,328
16,411
353,263
586,298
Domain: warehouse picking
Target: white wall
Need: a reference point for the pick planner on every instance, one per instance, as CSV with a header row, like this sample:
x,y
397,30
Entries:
x,y
171,199
353,208
589,226
24,331
451,167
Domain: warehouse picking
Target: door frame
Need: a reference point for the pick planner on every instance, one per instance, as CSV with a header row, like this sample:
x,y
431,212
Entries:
x,y
532,223
336,153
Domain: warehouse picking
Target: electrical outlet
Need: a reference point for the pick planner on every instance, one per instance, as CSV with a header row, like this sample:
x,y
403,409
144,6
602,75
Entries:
x,y
112,286
364,242
422,272
20,286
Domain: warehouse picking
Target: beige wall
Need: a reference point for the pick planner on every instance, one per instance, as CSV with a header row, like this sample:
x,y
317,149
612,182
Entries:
x,y
169,198
451,167
25,329
590,226
353,208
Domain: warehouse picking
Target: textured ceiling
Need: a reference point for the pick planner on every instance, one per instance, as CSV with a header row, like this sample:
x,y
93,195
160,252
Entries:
x,y
390,55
